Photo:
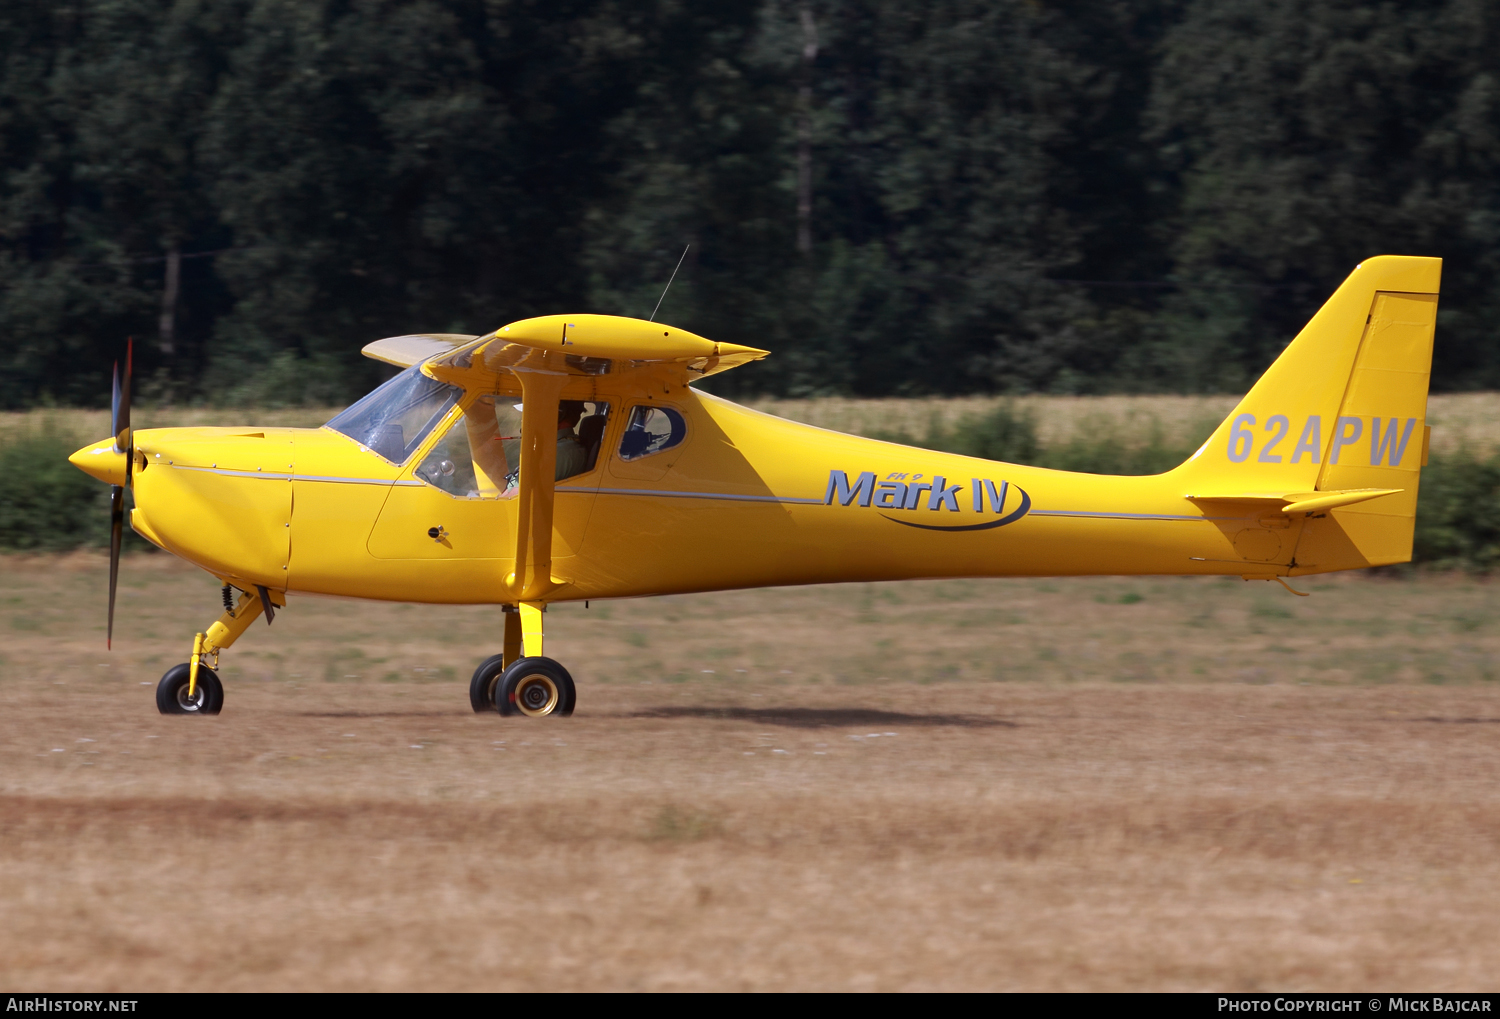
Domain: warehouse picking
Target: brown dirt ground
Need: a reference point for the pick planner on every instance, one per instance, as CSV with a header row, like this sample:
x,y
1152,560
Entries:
x,y
1090,785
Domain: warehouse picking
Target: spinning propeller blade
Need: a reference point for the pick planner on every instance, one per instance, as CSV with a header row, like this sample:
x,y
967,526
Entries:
x,y
116,532
120,407
124,443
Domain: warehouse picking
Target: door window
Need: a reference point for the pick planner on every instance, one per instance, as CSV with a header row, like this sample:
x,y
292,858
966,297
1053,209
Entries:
x,y
479,457
467,461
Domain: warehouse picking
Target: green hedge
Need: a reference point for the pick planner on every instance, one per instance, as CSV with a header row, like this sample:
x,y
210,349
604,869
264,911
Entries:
x,y
1458,512
47,504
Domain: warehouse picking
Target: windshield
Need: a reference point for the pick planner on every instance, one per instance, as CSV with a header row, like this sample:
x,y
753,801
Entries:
x,y
394,419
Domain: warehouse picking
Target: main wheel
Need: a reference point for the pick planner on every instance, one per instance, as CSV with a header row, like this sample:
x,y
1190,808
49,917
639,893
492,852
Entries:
x,y
536,687
484,684
172,692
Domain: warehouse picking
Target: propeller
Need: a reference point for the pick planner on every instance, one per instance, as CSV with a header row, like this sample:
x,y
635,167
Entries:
x,y
124,443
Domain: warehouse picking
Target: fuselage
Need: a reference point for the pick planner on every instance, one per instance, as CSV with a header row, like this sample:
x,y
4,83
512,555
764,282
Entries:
x,y
744,500
567,457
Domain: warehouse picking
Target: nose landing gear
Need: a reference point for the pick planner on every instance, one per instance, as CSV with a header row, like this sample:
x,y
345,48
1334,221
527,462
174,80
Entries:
x,y
173,698
193,688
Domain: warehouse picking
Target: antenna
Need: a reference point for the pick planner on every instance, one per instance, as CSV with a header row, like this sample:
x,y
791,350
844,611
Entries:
x,y
664,289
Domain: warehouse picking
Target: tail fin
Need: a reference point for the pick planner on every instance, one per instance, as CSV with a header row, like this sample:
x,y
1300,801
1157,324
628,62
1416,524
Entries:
x,y
1336,427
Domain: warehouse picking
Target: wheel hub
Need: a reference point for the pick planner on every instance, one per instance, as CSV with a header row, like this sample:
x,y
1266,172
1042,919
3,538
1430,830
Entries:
x,y
537,695
193,703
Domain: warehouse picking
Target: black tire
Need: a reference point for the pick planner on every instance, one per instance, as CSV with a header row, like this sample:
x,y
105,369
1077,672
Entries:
x,y
171,692
484,684
536,687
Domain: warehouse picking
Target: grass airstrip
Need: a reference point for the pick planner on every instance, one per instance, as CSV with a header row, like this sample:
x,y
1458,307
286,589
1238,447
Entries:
x,y
1006,784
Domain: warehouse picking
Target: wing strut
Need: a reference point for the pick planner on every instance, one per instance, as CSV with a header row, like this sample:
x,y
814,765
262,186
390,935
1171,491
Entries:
x,y
532,579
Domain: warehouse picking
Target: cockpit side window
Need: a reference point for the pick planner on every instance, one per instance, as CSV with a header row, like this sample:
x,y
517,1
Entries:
x,y
393,420
651,430
479,456
468,460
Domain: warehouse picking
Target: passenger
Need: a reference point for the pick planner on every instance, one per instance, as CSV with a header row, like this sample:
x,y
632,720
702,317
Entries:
x,y
486,449
572,455
590,433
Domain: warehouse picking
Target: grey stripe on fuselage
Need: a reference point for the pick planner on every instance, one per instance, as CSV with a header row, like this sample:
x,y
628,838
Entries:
x,y
820,502
725,497
665,494
292,477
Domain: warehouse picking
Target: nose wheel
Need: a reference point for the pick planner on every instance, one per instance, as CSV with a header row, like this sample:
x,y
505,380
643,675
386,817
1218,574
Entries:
x,y
172,697
179,693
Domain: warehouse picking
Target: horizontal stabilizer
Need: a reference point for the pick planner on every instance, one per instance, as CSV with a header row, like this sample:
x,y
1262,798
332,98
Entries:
x,y
1316,502
1302,502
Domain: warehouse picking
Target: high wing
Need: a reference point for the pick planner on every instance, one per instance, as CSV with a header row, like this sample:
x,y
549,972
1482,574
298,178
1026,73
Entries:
x,y
545,360
572,344
405,351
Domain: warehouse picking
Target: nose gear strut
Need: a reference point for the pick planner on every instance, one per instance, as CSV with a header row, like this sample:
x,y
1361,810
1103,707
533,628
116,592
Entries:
x,y
184,696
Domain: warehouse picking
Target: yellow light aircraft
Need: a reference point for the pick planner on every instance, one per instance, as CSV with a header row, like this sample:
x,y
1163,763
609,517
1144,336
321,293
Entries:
x,y
568,457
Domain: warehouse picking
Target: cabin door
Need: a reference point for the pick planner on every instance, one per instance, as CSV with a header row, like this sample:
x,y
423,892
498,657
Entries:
x,y
458,499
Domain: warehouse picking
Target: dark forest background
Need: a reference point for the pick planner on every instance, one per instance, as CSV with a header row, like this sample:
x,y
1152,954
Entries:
x,y
894,197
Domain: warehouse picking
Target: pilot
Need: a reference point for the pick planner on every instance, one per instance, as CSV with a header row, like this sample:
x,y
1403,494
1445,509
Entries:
x,y
487,449
572,455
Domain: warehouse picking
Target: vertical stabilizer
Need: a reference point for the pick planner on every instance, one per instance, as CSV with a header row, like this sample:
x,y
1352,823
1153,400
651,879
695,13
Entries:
x,y
1343,408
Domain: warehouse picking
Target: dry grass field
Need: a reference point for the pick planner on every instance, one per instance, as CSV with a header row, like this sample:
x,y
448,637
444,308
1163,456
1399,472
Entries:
x,y
1458,419
1083,784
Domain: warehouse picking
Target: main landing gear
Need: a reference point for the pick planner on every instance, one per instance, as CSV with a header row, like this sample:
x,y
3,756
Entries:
x,y
521,681
193,688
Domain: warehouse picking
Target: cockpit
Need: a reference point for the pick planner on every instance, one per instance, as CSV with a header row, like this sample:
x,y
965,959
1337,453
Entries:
x,y
478,456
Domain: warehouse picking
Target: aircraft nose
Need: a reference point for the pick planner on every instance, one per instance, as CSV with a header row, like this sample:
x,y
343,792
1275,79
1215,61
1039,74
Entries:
x,y
102,461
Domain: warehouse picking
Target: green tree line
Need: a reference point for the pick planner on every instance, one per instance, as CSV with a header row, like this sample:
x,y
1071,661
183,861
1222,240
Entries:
x,y
896,198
